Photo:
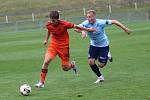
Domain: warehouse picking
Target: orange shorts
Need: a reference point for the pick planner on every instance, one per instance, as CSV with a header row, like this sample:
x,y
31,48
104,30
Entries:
x,y
63,53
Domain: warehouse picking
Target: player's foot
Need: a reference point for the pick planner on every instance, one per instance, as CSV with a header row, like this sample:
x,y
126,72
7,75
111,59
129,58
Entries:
x,y
99,79
39,85
74,67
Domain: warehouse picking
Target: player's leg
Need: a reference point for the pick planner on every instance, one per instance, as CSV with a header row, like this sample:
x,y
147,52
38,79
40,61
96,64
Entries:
x,y
65,59
44,69
93,54
96,70
103,56
67,65
49,56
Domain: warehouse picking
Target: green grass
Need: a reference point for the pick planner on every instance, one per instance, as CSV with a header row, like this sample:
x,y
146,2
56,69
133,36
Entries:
x,y
126,78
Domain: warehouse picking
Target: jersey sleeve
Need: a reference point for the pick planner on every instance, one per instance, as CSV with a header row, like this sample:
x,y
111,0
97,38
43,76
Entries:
x,y
83,24
47,25
69,25
106,22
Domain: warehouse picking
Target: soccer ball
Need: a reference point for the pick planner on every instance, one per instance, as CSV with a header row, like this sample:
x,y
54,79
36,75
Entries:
x,y
25,89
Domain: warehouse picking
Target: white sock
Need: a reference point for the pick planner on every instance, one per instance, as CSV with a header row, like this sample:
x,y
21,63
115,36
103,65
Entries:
x,y
109,55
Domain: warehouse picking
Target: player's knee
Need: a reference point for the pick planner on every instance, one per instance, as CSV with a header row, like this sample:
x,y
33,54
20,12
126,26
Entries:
x,y
101,65
65,68
91,62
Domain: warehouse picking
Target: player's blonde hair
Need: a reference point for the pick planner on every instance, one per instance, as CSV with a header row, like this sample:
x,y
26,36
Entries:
x,y
93,11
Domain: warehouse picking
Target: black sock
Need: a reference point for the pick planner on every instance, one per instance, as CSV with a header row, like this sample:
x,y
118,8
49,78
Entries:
x,y
75,70
96,70
44,70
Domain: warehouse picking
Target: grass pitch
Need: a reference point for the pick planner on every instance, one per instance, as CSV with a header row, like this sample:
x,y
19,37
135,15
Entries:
x,y
126,78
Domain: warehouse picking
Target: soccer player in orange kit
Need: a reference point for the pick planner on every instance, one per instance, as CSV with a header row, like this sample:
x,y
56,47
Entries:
x,y
59,45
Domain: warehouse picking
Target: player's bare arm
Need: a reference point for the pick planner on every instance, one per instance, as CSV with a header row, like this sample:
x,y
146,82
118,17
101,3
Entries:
x,y
46,39
83,28
119,24
78,30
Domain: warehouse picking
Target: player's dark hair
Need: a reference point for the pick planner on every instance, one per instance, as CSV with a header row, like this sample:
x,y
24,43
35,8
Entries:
x,y
54,15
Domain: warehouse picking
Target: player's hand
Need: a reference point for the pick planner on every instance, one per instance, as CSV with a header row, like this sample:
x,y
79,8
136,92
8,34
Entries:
x,y
78,30
84,34
45,43
128,31
91,29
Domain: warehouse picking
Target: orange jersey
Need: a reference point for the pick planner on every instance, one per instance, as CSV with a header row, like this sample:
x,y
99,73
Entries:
x,y
59,33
